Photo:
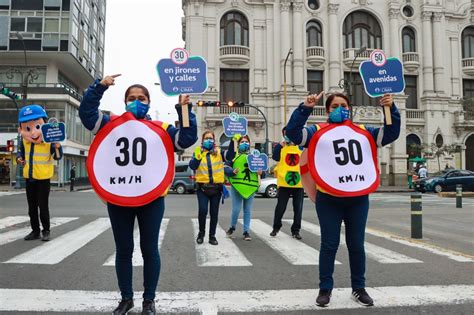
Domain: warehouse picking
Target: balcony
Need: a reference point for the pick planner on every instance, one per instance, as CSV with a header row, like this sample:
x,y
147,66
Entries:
x,y
234,55
315,55
468,66
349,54
411,61
415,116
47,88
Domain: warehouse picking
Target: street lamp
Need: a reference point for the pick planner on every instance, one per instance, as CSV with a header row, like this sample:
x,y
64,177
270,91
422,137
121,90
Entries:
x,y
284,83
266,127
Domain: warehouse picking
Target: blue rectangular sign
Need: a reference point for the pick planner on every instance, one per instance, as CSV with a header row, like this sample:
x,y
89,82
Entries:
x,y
235,126
188,78
53,132
379,80
257,162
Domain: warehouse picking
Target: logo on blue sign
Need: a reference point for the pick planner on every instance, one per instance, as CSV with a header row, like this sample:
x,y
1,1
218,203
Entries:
x,y
379,80
187,78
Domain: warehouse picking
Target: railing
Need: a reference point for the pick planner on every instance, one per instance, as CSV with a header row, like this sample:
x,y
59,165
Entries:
x,y
234,50
415,114
351,52
468,62
410,57
47,88
319,111
315,52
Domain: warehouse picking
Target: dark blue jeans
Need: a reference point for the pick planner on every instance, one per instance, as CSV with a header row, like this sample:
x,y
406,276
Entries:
x,y
331,212
205,204
149,221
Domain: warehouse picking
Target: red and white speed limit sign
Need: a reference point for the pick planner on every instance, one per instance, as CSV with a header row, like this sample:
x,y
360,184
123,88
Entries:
x,y
131,162
342,159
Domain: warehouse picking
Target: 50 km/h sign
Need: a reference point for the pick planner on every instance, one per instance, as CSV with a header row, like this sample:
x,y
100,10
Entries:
x,y
131,162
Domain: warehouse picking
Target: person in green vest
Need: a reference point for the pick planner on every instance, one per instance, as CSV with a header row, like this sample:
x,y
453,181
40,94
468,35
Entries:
x,y
287,154
244,183
37,158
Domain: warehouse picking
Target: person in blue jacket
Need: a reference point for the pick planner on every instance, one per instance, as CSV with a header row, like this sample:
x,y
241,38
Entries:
x,y
137,101
332,210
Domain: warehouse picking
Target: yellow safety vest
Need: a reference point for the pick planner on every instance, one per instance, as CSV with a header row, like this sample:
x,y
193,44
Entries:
x,y
288,168
202,173
43,162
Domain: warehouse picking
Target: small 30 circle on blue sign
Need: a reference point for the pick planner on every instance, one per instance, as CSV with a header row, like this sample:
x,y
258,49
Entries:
x,y
179,56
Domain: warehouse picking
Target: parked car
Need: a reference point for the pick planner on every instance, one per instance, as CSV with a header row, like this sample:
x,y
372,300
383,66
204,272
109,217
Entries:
x,y
184,180
268,187
447,181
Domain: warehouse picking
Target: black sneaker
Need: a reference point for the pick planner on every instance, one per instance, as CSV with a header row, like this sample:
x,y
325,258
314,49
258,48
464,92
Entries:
x,y
362,297
148,307
324,297
247,236
124,306
297,235
46,237
213,240
230,231
32,236
200,238
274,232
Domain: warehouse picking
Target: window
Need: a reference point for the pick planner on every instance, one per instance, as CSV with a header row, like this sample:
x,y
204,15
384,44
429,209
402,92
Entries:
x,y
234,85
468,88
314,34
51,25
64,25
315,83
439,141
313,4
359,97
413,146
35,24
234,30
4,4
27,5
411,91
17,24
16,44
408,11
66,5
408,40
361,29
468,42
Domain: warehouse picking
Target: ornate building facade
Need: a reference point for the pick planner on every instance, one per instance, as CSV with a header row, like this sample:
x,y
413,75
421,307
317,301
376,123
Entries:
x,y
253,47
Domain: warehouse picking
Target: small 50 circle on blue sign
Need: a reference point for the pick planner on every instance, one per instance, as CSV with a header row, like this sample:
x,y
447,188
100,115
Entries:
x,y
378,58
179,56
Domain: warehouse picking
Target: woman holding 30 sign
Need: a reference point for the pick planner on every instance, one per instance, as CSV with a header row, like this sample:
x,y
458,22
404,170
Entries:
x,y
342,160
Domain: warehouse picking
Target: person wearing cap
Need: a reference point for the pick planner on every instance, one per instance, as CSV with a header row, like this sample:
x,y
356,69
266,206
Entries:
x,y
37,158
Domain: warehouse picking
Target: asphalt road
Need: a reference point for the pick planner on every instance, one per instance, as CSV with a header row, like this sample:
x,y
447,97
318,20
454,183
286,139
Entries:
x,y
265,276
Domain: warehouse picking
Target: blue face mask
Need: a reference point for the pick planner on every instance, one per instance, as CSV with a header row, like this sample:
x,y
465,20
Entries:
x,y
244,147
287,140
138,109
208,144
339,115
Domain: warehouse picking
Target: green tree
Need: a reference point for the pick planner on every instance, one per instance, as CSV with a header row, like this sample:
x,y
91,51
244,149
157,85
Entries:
x,y
434,151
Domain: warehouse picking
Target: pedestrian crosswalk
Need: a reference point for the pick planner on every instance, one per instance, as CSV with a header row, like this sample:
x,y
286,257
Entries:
x,y
10,193
231,252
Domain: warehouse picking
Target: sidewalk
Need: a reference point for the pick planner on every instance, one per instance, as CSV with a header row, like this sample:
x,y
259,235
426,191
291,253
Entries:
x,y
53,188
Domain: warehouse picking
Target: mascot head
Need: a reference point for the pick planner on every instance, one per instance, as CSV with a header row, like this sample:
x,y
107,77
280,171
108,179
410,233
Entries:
x,y
31,118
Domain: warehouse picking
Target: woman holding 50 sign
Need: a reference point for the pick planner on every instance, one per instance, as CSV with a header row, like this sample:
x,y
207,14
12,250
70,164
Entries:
x,y
342,160
131,165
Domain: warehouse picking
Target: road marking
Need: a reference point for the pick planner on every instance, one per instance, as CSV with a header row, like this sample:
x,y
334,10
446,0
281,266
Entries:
x,y
377,253
58,249
10,193
32,300
20,233
294,251
10,221
457,256
226,253
137,258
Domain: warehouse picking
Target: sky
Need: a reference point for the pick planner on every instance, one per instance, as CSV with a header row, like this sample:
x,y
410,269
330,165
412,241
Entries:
x,y
138,33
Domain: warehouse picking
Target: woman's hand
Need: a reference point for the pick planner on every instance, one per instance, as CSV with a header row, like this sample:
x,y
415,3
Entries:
x,y
259,172
20,161
236,170
109,80
183,99
57,145
386,100
313,99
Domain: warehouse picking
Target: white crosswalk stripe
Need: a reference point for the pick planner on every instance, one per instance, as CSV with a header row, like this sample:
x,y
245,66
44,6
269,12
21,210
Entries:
x,y
294,251
10,221
377,253
225,254
17,234
10,193
54,252
137,258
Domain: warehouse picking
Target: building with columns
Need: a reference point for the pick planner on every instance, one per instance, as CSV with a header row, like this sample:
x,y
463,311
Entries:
x,y
253,47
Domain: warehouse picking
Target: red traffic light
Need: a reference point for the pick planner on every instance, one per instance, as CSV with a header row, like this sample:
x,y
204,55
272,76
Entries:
x,y
209,103
235,104
10,146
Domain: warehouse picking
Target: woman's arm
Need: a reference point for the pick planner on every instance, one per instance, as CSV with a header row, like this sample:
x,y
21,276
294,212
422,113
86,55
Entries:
x,y
296,130
184,137
388,133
